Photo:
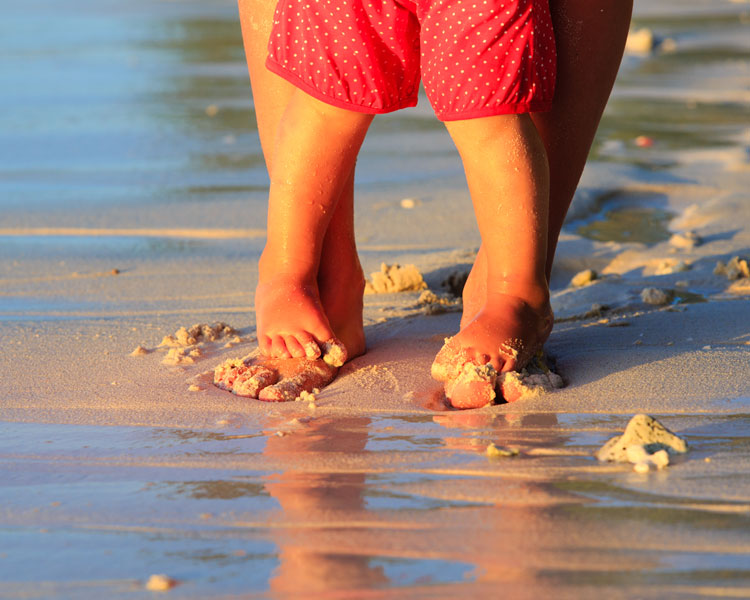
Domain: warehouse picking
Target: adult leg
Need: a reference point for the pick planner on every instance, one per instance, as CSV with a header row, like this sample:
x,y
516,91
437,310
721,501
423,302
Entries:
x,y
590,40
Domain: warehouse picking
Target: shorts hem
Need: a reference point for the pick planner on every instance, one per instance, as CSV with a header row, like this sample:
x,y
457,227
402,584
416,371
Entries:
x,y
298,82
503,109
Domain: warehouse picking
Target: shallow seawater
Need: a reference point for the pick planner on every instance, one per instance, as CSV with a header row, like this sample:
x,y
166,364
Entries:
x,y
640,225
342,505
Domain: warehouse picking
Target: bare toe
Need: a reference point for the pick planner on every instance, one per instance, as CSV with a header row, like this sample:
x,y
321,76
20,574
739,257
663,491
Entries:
x,y
309,345
251,382
265,345
278,347
448,362
293,346
473,387
298,376
242,379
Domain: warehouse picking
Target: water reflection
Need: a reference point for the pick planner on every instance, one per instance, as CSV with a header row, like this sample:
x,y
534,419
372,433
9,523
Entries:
x,y
308,499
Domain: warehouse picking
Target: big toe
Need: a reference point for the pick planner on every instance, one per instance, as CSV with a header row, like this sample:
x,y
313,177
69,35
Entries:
x,y
470,394
472,387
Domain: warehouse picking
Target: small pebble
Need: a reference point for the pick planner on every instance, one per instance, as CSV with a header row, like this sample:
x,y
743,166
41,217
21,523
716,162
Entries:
x,y
160,583
686,240
584,278
640,41
668,46
643,141
212,110
656,296
493,451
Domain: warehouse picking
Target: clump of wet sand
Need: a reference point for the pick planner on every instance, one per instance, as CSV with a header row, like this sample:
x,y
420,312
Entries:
x,y
200,332
455,282
645,443
434,304
395,278
686,240
584,278
186,344
656,296
735,268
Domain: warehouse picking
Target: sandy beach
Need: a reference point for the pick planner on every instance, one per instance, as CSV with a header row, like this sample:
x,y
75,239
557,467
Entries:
x,y
132,197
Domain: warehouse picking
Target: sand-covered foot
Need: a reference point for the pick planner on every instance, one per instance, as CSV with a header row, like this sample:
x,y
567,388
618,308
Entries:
x,y
244,379
502,337
273,379
297,376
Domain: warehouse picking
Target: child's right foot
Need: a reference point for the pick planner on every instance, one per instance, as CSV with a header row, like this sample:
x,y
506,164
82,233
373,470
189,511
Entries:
x,y
302,348
503,336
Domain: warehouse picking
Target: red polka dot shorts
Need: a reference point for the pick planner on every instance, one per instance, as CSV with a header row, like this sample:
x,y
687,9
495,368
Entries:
x,y
476,58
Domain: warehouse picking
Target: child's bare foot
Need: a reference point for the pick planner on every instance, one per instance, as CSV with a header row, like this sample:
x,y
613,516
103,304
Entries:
x,y
302,318
503,336
273,379
290,318
301,347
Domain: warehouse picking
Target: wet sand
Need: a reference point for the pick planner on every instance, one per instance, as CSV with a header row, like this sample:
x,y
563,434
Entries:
x,y
117,232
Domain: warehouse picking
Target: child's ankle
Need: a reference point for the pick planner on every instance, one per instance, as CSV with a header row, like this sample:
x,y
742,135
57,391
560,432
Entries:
x,y
275,266
533,292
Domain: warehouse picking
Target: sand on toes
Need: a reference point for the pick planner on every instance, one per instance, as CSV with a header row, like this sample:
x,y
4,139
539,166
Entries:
x,y
279,379
472,378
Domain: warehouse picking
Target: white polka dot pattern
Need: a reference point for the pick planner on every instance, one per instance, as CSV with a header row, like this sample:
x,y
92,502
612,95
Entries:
x,y
476,57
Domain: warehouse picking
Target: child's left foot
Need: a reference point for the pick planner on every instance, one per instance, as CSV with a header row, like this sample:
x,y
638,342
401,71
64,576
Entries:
x,y
273,379
503,336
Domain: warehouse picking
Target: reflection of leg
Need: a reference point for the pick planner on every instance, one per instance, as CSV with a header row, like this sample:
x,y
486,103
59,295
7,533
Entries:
x,y
506,168
327,556
590,40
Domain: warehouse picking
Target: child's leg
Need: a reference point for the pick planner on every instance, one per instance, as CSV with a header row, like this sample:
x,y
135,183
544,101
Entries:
x,y
315,150
507,172
340,280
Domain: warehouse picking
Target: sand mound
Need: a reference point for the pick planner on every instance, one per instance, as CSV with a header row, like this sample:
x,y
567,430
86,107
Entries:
x,y
395,278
